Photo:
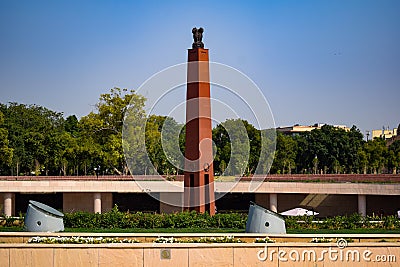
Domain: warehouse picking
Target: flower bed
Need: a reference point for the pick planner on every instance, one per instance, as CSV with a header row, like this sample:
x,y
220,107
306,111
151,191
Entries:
x,y
79,240
165,240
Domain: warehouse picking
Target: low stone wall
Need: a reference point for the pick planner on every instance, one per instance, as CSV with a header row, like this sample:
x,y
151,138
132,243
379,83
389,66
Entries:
x,y
215,255
290,250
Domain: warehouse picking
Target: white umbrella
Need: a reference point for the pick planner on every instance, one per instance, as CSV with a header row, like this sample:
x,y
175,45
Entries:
x,y
299,212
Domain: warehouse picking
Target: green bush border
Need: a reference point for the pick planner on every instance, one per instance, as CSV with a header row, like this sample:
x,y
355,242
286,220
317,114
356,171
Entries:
x,y
116,219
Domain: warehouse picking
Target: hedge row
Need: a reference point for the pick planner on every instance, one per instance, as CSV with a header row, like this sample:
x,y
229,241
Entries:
x,y
118,219
354,221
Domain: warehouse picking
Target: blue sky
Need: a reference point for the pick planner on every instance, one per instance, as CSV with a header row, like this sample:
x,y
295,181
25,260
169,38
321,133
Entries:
x,y
335,62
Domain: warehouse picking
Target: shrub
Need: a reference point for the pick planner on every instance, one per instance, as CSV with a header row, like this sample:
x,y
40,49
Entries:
x,y
118,219
192,219
79,240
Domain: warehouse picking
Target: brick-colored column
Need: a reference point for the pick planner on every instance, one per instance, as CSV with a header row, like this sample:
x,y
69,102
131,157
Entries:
x,y
8,204
273,202
199,170
362,205
97,202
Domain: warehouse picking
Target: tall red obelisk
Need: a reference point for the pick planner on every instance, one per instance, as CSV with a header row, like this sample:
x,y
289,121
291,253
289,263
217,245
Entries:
x,y
199,171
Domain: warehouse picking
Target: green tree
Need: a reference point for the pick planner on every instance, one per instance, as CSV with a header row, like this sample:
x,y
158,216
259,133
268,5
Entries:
x,y
104,127
153,144
303,155
394,156
6,153
352,147
165,144
376,151
222,143
254,136
31,130
267,151
285,154
331,149
363,161
233,147
71,125
237,142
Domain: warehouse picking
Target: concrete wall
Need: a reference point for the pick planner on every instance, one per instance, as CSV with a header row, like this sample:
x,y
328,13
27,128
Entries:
x,y
55,200
326,205
262,200
334,205
144,202
85,202
383,205
166,199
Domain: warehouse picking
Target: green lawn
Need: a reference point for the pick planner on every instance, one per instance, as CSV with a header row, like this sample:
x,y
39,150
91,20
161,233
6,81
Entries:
x,y
11,229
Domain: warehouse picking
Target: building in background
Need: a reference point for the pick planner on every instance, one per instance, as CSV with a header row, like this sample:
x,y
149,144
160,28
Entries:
x,y
297,129
384,133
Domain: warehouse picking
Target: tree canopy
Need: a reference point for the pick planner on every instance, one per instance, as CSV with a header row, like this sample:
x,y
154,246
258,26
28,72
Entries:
x,y
37,141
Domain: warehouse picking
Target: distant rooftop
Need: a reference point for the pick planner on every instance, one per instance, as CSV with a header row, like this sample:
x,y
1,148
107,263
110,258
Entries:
x,y
384,133
295,129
